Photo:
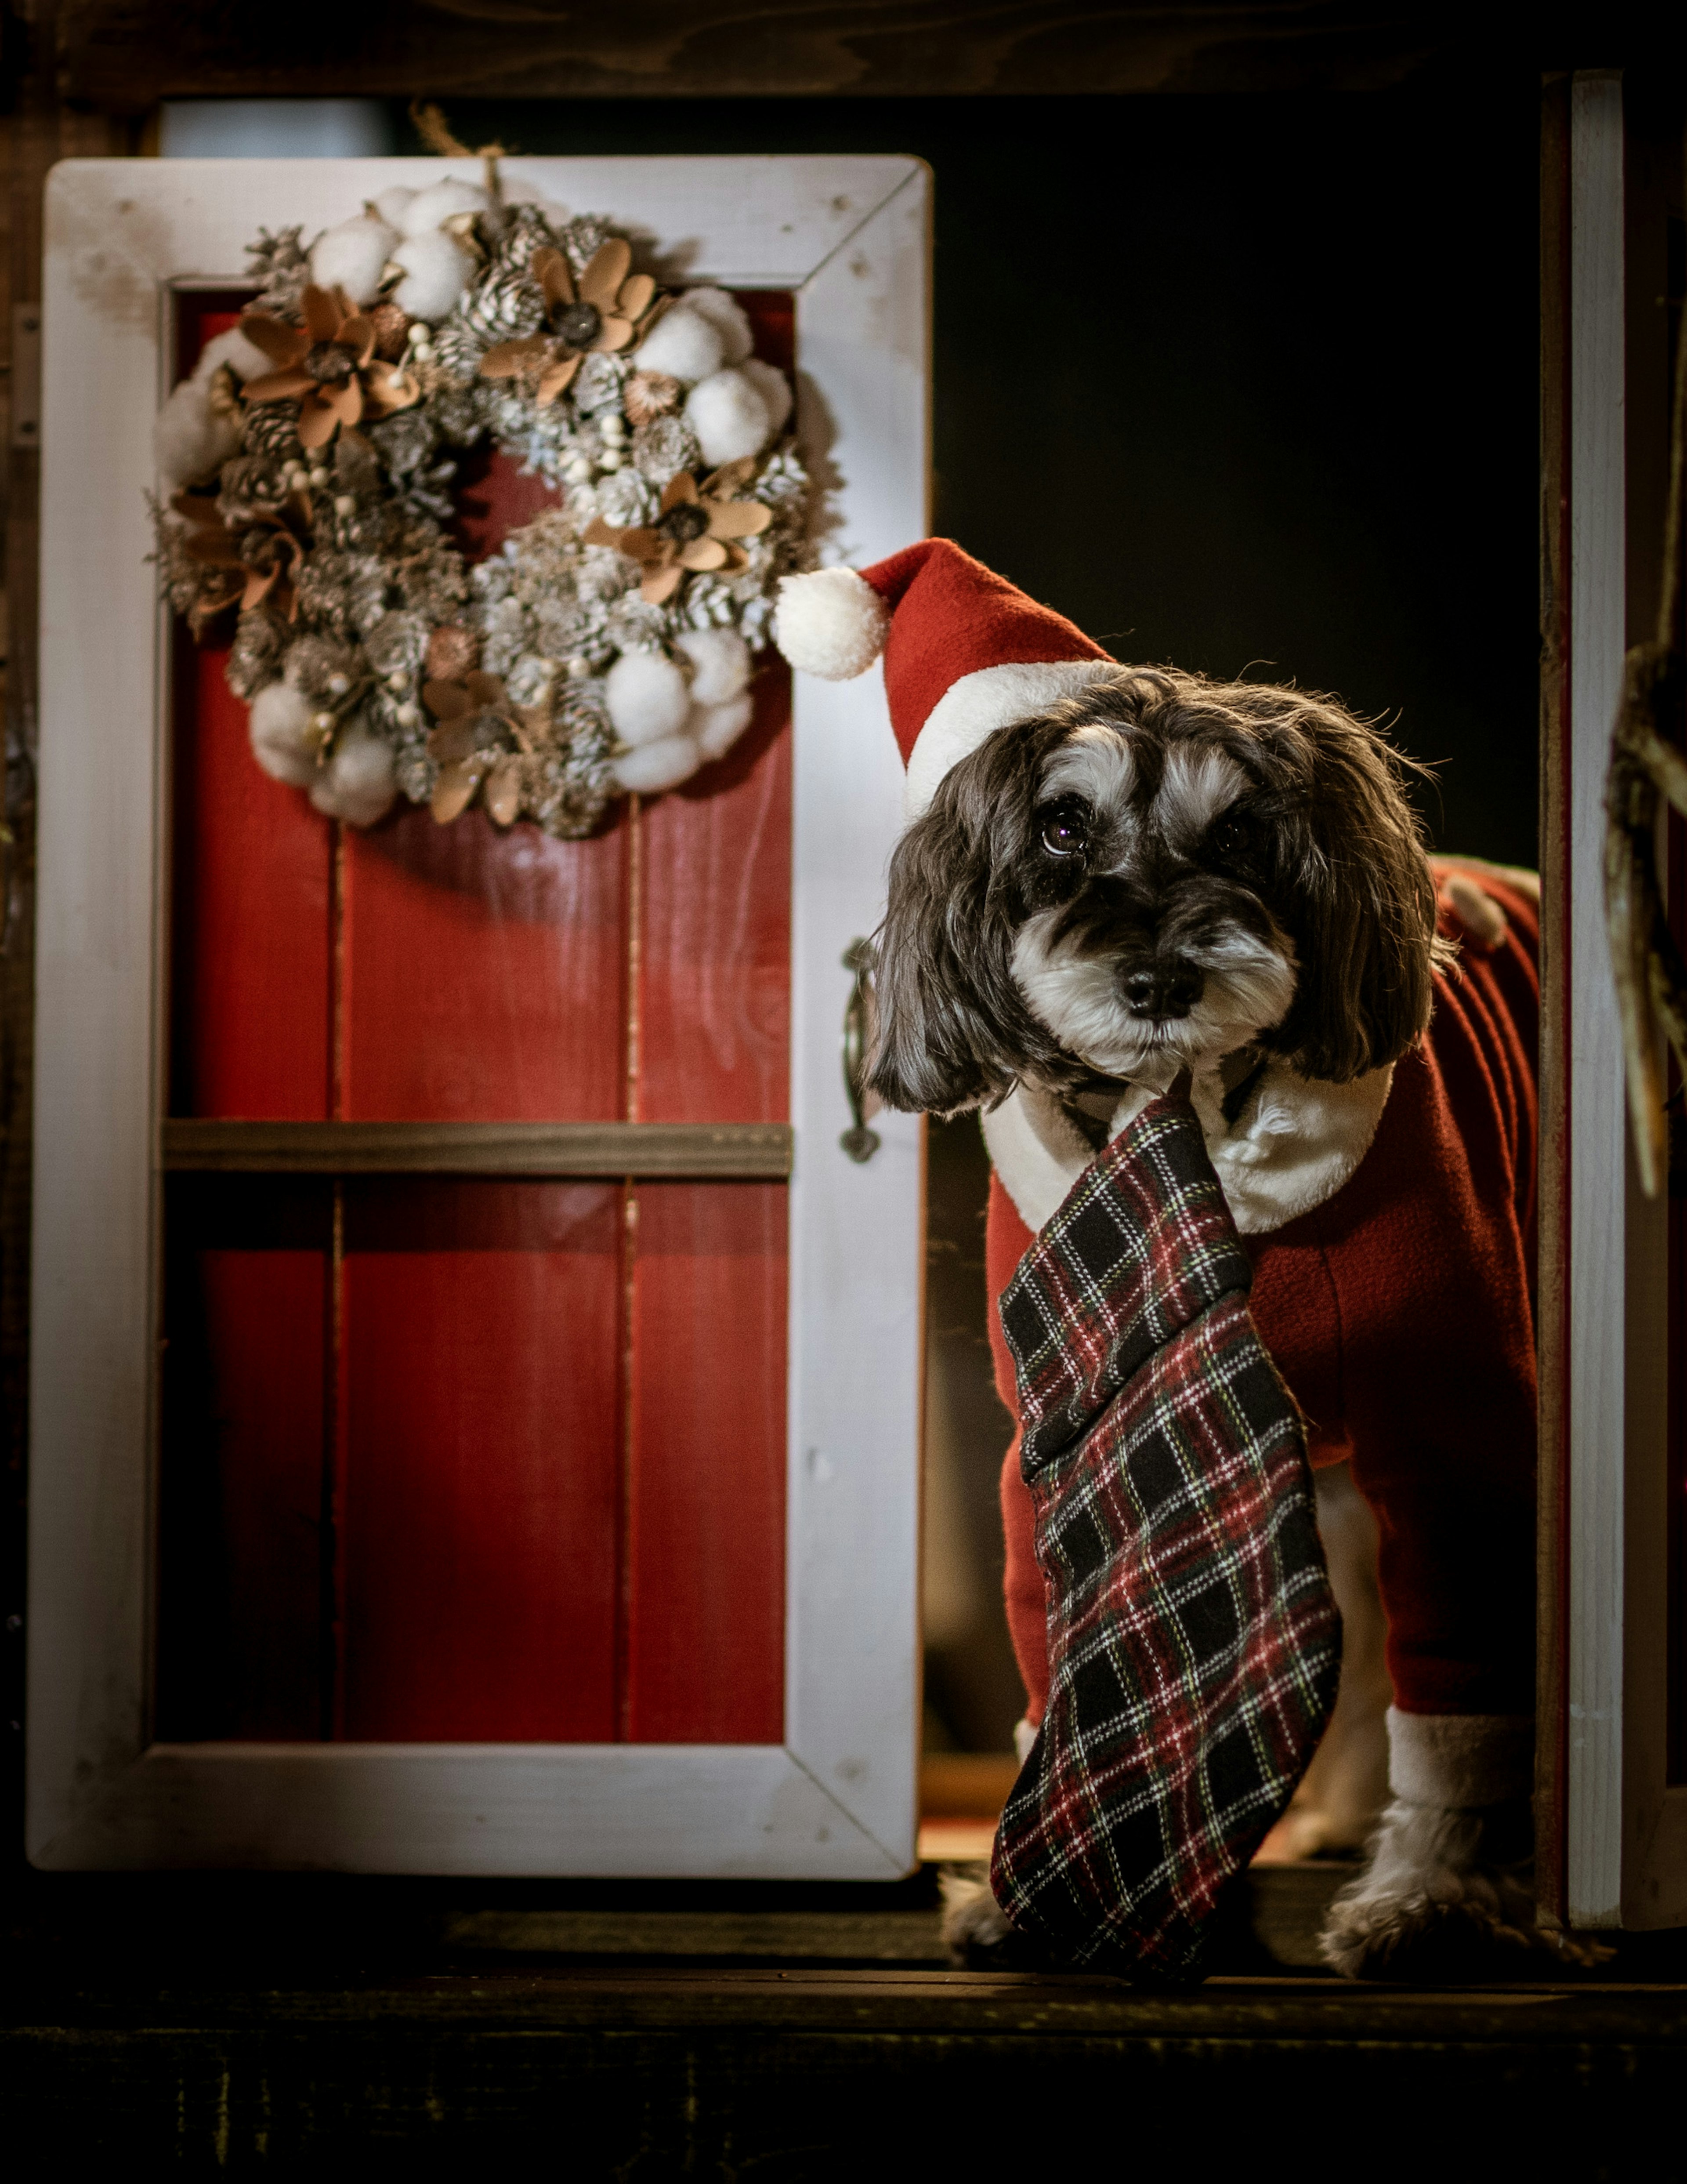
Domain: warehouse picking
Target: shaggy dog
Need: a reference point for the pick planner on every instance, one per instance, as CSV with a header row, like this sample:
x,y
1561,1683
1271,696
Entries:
x,y
1161,874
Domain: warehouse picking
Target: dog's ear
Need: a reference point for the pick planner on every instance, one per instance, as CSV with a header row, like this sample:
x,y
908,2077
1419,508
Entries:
x,y
953,1030
1367,939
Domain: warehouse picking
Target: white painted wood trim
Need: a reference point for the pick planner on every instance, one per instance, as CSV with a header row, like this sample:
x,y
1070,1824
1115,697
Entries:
x,y
851,236
1626,1830
1597,1128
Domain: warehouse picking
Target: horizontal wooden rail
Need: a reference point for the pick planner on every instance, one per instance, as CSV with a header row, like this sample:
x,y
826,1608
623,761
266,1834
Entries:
x,y
723,1151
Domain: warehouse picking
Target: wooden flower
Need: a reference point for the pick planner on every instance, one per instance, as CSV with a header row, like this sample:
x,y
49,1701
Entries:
x,y
329,364
602,315
698,529
477,721
256,561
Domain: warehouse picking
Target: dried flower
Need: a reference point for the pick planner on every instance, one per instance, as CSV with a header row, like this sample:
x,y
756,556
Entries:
x,y
696,530
257,560
452,651
328,366
478,720
651,395
602,315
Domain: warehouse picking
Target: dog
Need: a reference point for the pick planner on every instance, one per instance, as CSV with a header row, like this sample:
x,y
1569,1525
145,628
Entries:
x,y
1163,873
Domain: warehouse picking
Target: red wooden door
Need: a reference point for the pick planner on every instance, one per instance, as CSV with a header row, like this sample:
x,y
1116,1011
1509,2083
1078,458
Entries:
x,y
467,1457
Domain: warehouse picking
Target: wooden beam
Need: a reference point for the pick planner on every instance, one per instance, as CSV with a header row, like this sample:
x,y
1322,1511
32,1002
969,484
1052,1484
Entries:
x,y
721,1152
122,55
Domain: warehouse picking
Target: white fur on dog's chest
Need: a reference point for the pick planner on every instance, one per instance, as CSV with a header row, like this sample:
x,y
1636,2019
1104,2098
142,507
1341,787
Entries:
x,y
1294,1145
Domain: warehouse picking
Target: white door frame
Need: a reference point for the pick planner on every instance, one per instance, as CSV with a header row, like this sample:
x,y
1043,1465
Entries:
x,y
850,235
1626,1828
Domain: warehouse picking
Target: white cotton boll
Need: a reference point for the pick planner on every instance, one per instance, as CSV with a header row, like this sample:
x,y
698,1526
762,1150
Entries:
x,y
720,663
357,784
284,738
393,204
658,766
353,256
728,416
683,344
437,269
190,440
647,697
831,623
243,357
774,389
716,728
727,319
444,201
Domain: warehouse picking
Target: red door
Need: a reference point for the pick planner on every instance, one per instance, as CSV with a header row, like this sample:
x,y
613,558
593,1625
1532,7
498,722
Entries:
x,y
463,1457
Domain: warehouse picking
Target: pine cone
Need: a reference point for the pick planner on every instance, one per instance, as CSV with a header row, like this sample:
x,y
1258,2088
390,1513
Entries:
x,y
271,428
505,305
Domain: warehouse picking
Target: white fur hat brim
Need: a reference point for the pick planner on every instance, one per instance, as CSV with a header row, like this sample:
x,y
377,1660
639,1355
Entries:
x,y
972,710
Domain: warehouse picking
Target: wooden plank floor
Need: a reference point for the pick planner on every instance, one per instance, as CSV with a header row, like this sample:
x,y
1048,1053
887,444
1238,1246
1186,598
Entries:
x,y
285,2024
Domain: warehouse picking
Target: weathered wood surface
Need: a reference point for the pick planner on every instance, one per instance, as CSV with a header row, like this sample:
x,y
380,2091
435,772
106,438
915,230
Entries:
x,y
36,131
816,2074
112,54
635,2030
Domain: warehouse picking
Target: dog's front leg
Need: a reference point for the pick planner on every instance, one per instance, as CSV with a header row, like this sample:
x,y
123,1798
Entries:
x,y
1447,1892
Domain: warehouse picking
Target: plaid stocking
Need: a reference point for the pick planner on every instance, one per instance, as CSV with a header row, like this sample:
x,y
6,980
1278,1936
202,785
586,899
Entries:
x,y
1194,1645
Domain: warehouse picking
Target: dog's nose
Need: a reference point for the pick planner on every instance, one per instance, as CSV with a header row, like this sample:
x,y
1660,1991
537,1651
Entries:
x,y
1169,989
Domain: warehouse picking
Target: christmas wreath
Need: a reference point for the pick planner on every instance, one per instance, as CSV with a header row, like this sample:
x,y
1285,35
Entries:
x,y
312,453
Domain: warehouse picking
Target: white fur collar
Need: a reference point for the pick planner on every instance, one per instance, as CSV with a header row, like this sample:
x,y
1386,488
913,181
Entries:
x,y
1294,1144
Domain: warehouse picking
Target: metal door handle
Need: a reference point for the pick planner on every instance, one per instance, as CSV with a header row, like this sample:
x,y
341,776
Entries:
x,y
858,1141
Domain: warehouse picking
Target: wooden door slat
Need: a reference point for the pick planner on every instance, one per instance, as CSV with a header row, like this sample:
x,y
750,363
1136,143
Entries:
x,y
759,1151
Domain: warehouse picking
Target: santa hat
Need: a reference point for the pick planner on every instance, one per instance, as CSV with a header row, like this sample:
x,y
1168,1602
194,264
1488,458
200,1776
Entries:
x,y
965,651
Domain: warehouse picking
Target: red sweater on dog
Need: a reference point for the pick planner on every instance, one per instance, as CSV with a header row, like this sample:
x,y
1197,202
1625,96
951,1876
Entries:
x,y
1400,1313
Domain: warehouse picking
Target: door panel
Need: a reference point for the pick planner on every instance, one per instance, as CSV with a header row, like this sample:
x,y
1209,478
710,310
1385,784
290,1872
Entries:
x,y
478,1467
485,974
549,1504
706,1541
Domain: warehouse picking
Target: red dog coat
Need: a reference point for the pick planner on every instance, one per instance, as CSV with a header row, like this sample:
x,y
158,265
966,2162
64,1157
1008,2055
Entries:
x,y
1400,1313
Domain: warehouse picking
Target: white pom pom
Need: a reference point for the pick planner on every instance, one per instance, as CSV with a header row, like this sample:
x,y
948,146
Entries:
x,y
716,728
727,319
655,766
357,784
284,737
393,204
720,663
683,344
728,416
647,697
352,256
444,201
436,271
831,623
774,389
243,357
190,440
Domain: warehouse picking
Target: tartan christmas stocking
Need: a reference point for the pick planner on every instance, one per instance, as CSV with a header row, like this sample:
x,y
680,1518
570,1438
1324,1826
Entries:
x,y
1193,1644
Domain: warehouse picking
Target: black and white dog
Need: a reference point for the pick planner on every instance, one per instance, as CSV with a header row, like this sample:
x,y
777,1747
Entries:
x,y
1159,874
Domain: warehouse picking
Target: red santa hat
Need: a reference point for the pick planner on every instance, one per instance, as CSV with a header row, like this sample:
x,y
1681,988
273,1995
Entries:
x,y
965,651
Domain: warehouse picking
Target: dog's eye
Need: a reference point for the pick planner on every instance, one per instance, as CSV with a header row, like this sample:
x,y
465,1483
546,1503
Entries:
x,y
1228,836
1066,830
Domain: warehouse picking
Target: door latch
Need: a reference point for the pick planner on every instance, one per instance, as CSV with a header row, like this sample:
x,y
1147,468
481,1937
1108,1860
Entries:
x,y
858,1141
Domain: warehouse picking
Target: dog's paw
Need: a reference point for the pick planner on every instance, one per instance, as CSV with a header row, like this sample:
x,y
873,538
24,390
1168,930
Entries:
x,y
976,1931
1430,1908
